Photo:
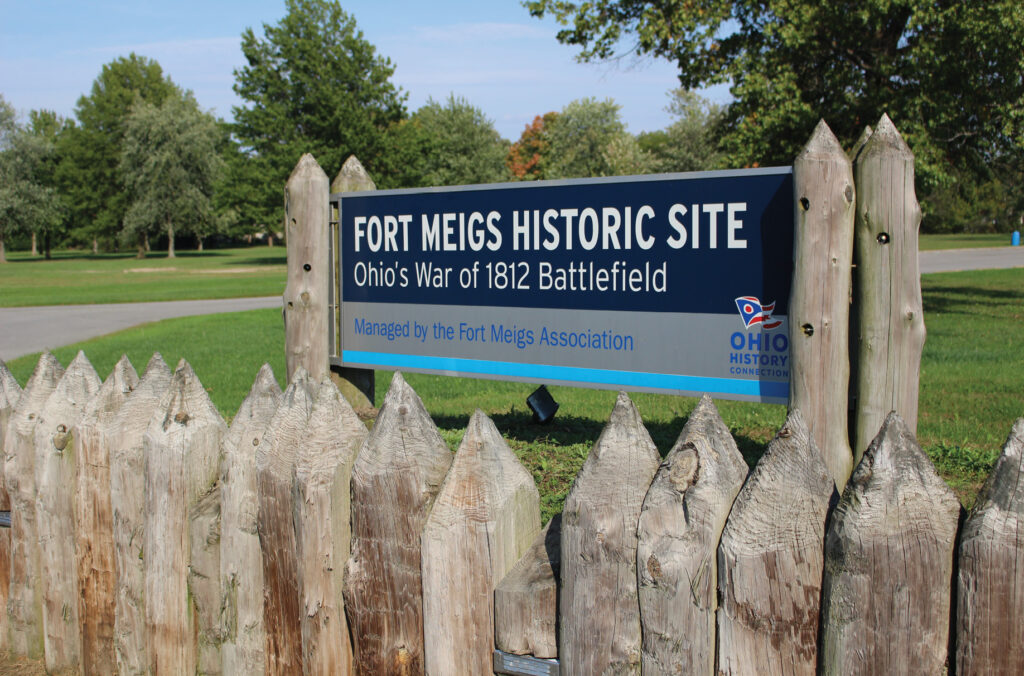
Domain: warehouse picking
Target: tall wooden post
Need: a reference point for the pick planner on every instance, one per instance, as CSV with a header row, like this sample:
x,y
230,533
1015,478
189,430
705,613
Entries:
x,y
356,384
887,296
306,214
10,394
819,306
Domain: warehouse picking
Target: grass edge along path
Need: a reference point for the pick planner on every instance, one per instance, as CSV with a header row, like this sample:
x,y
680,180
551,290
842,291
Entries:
x,y
972,385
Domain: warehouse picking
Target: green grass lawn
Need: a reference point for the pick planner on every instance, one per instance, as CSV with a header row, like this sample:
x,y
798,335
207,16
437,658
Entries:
x,y
972,384
72,278
963,241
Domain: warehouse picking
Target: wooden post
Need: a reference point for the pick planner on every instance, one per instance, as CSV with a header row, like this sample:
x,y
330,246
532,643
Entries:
x,y
128,503
990,590
599,609
889,563
24,605
55,491
485,517
819,304
394,482
356,384
323,532
887,297
680,525
770,560
94,543
241,564
526,600
10,394
275,470
181,453
305,294
204,578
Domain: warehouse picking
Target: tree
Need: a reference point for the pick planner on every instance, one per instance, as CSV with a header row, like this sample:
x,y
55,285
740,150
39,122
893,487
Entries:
x,y
312,84
525,159
169,164
582,142
26,202
47,126
91,150
690,142
949,72
462,145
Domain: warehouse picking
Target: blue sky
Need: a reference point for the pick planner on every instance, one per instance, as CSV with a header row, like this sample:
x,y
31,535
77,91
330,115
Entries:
x,y
490,52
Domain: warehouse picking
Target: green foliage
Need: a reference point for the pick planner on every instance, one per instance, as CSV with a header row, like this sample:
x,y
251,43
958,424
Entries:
x,y
588,138
169,164
690,142
311,83
27,200
462,146
90,151
950,73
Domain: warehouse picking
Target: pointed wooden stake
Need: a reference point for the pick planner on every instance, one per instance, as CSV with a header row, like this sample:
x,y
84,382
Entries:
x,y
128,504
770,560
819,306
24,606
181,449
394,482
10,393
887,297
94,543
889,563
683,515
526,601
990,593
323,533
275,471
599,609
486,515
241,563
305,295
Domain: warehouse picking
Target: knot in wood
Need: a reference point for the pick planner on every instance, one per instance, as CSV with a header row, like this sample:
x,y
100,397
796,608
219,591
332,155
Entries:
x,y
181,418
403,657
60,439
785,433
654,567
255,441
848,193
685,468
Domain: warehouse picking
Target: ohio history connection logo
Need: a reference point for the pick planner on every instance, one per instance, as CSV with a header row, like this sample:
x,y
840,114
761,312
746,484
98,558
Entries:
x,y
756,352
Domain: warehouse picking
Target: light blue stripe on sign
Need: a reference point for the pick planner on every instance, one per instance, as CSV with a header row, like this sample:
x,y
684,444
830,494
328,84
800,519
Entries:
x,y
541,373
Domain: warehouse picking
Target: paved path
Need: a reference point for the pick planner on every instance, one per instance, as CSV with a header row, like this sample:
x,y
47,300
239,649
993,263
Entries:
x,y
30,329
24,330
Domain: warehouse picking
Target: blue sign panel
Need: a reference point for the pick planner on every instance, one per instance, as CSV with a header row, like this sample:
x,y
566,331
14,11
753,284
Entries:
x,y
672,283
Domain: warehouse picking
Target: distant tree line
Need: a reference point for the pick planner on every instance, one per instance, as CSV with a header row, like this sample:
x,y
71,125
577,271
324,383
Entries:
x,y
141,160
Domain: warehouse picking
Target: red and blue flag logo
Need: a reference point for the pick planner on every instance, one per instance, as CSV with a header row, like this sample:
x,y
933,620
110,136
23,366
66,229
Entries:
x,y
754,313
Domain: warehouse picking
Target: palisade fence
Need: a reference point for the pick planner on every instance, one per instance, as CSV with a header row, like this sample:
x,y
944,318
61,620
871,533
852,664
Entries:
x,y
148,536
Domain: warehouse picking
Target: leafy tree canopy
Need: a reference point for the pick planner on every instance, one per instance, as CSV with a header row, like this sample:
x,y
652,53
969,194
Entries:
x,y
690,142
462,145
169,164
588,138
948,71
312,83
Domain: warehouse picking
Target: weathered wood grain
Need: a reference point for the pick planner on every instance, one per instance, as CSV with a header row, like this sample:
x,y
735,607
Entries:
x,y
55,469
275,471
990,589
819,304
204,524
128,503
485,517
181,453
680,525
889,563
357,385
526,600
25,598
887,294
243,652
305,293
10,394
394,482
770,559
94,519
323,530
599,610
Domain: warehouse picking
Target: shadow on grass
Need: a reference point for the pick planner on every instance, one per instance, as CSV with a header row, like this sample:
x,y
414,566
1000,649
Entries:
x,y
966,299
265,260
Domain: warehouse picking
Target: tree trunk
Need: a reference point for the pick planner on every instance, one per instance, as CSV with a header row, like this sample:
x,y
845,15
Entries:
x,y
95,246
170,239
200,240
141,247
3,251
46,246
35,250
